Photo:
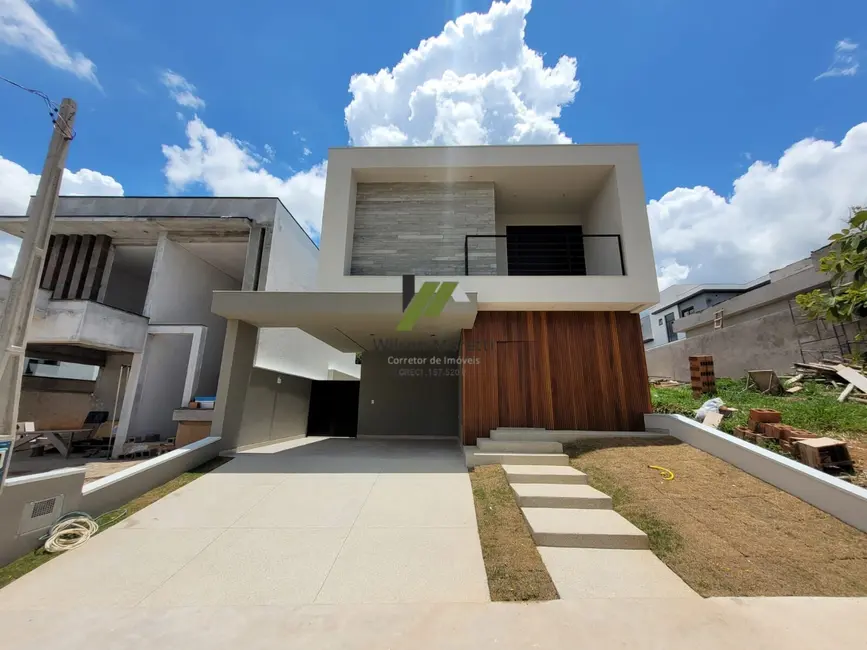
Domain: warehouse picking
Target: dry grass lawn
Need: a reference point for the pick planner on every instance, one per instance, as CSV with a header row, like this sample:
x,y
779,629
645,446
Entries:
x,y
723,531
514,567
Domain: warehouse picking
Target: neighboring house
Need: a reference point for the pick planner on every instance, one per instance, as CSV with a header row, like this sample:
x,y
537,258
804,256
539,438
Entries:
x,y
127,286
550,247
681,300
762,328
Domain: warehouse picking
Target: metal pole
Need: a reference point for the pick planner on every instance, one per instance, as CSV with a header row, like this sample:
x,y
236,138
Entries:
x,y
24,285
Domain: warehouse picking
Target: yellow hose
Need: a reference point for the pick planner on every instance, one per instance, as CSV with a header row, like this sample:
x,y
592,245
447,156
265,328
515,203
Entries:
x,y
667,474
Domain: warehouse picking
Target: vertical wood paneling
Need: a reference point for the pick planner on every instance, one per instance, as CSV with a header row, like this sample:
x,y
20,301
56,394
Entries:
x,y
557,370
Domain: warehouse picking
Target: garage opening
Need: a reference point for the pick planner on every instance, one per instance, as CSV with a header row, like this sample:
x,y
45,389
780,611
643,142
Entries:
x,y
333,409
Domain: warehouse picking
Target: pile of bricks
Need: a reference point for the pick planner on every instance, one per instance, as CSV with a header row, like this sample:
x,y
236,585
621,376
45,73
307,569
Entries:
x,y
701,375
765,427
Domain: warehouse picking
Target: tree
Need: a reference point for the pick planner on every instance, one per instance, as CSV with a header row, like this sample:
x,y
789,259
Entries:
x,y
846,263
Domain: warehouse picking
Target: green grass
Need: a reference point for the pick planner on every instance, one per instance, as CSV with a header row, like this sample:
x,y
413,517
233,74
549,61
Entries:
x,y
663,538
37,558
815,408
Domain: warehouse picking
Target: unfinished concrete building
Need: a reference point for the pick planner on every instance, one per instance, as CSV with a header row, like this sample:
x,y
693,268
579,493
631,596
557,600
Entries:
x,y
127,287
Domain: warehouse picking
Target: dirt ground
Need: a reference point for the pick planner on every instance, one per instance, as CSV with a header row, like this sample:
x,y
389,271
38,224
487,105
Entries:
x,y
514,567
24,464
723,531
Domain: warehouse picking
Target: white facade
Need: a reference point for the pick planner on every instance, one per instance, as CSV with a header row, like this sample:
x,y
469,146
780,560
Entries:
x,y
596,186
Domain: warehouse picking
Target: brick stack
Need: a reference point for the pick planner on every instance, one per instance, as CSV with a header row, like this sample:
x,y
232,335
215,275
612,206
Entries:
x,y
765,428
701,375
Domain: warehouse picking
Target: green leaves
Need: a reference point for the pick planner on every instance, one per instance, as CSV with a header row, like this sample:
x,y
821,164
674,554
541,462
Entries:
x,y
847,265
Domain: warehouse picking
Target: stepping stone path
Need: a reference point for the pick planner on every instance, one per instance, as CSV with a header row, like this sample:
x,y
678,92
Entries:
x,y
582,539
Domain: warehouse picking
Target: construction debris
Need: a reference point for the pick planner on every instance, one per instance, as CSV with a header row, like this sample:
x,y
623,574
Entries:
x,y
766,381
664,382
845,393
713,419
766,429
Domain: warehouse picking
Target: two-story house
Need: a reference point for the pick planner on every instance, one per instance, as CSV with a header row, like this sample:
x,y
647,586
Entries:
x,y
550,249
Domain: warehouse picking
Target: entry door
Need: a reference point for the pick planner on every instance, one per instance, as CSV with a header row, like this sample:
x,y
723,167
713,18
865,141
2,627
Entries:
x,y
513,383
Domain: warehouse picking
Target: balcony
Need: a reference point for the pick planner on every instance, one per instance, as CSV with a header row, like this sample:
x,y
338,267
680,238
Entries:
x,y
88,324
545,251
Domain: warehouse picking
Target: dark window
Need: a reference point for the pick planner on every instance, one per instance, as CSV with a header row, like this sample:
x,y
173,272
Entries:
x,y
660,321
687,311
669,321
545,250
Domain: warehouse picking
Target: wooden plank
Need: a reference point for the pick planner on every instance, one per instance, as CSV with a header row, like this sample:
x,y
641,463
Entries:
x,y
845,394
853,377
794,380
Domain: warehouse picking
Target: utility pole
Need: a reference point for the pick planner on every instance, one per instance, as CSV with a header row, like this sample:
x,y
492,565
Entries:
x,y
24,286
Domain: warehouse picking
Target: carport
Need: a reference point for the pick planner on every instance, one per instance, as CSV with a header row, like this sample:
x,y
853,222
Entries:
x,y
410,385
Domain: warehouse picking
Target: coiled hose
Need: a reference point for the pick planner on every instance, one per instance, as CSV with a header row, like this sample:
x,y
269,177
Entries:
x,y
74,529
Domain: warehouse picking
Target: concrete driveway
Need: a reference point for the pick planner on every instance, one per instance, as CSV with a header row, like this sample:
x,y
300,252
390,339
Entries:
x,y
316,520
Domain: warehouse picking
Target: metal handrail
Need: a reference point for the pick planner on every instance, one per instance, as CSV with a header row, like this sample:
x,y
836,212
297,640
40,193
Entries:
x,y
583,237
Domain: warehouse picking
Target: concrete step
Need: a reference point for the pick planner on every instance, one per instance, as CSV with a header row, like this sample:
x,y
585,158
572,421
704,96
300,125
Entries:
x,y
519,446
535,495
543,435
572,528
544,474
504,458
611,573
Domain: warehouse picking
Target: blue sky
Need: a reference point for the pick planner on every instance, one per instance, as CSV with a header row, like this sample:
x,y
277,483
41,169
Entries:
x,y
746,158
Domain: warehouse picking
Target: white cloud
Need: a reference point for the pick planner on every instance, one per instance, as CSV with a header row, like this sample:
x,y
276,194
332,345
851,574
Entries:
x,y
66,4
845,63
776,214
17,185
306,152
477,82
21,27
270,152
226,167
669,273
181,90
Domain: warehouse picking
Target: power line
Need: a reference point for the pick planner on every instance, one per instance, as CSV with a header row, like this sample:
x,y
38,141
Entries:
x,y
53,109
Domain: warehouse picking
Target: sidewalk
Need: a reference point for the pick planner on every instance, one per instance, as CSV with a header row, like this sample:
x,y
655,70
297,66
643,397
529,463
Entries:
x,y
595,624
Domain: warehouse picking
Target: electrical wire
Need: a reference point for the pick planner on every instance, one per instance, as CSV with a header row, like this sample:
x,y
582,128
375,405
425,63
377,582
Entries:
x,y
75,528
53,109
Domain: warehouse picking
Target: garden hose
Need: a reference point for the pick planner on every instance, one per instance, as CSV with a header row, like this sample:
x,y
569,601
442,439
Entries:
x,y
667,474
74,529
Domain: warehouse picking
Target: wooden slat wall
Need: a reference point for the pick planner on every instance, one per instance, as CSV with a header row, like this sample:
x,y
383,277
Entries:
x,y
565,370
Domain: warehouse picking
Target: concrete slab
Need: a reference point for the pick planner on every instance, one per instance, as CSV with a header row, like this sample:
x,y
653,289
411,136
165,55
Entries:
x,y
541,495
272,525
543,474
519,446
408,565
611,573
310,500
601,624
196,506
515,458
583,528
254,567
116,568
419,500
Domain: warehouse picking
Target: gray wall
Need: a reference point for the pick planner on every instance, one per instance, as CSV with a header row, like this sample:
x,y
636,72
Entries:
x,y
407,405
126,290
706,300
161,385
769,342
419,228
274,411
20,491
181,289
